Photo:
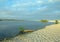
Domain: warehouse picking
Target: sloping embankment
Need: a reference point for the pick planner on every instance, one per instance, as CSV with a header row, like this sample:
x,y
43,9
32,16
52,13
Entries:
x,y
48,34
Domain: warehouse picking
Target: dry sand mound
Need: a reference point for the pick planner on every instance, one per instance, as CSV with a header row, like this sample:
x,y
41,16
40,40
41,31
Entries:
x,y
48,34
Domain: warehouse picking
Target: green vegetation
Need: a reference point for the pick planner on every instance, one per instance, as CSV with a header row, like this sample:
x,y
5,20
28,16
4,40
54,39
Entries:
x,y
21,29
56,22
43,20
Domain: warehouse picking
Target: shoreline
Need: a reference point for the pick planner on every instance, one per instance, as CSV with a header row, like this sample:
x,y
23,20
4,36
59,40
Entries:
x,y
48,34
53,20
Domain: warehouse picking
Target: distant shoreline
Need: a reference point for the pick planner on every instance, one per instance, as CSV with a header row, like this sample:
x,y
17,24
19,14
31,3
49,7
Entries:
x,y
50,20
25,20
53,20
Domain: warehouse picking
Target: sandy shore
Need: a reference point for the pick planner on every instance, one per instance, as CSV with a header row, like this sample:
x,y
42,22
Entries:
x,y
53,20
47,34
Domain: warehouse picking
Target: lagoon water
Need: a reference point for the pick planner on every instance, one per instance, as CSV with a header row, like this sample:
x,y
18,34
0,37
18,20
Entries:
x,y
11,28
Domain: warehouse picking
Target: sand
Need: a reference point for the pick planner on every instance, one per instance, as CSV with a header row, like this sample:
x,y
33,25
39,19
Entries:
x,y
48,34
53,20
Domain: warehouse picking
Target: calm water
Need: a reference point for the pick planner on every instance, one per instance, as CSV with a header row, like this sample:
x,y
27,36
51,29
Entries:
x,y
11,28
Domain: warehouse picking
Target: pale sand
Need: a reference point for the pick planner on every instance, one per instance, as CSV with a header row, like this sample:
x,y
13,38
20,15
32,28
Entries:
x,y
53,20
47,34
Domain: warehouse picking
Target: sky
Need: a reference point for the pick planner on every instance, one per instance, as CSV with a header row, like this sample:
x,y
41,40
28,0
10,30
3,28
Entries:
x,y
30,9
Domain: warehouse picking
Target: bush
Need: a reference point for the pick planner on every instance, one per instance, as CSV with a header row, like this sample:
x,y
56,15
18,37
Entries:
x,y
56,22
44,21
21,29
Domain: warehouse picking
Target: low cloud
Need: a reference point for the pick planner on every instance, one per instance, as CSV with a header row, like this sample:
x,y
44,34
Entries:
x,y
28,8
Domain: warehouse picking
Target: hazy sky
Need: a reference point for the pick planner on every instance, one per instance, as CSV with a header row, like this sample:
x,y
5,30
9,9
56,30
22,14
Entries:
x,y
30,9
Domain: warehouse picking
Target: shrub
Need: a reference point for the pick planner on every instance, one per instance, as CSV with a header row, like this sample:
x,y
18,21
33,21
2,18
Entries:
x,y
21,29
44,21
56,22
